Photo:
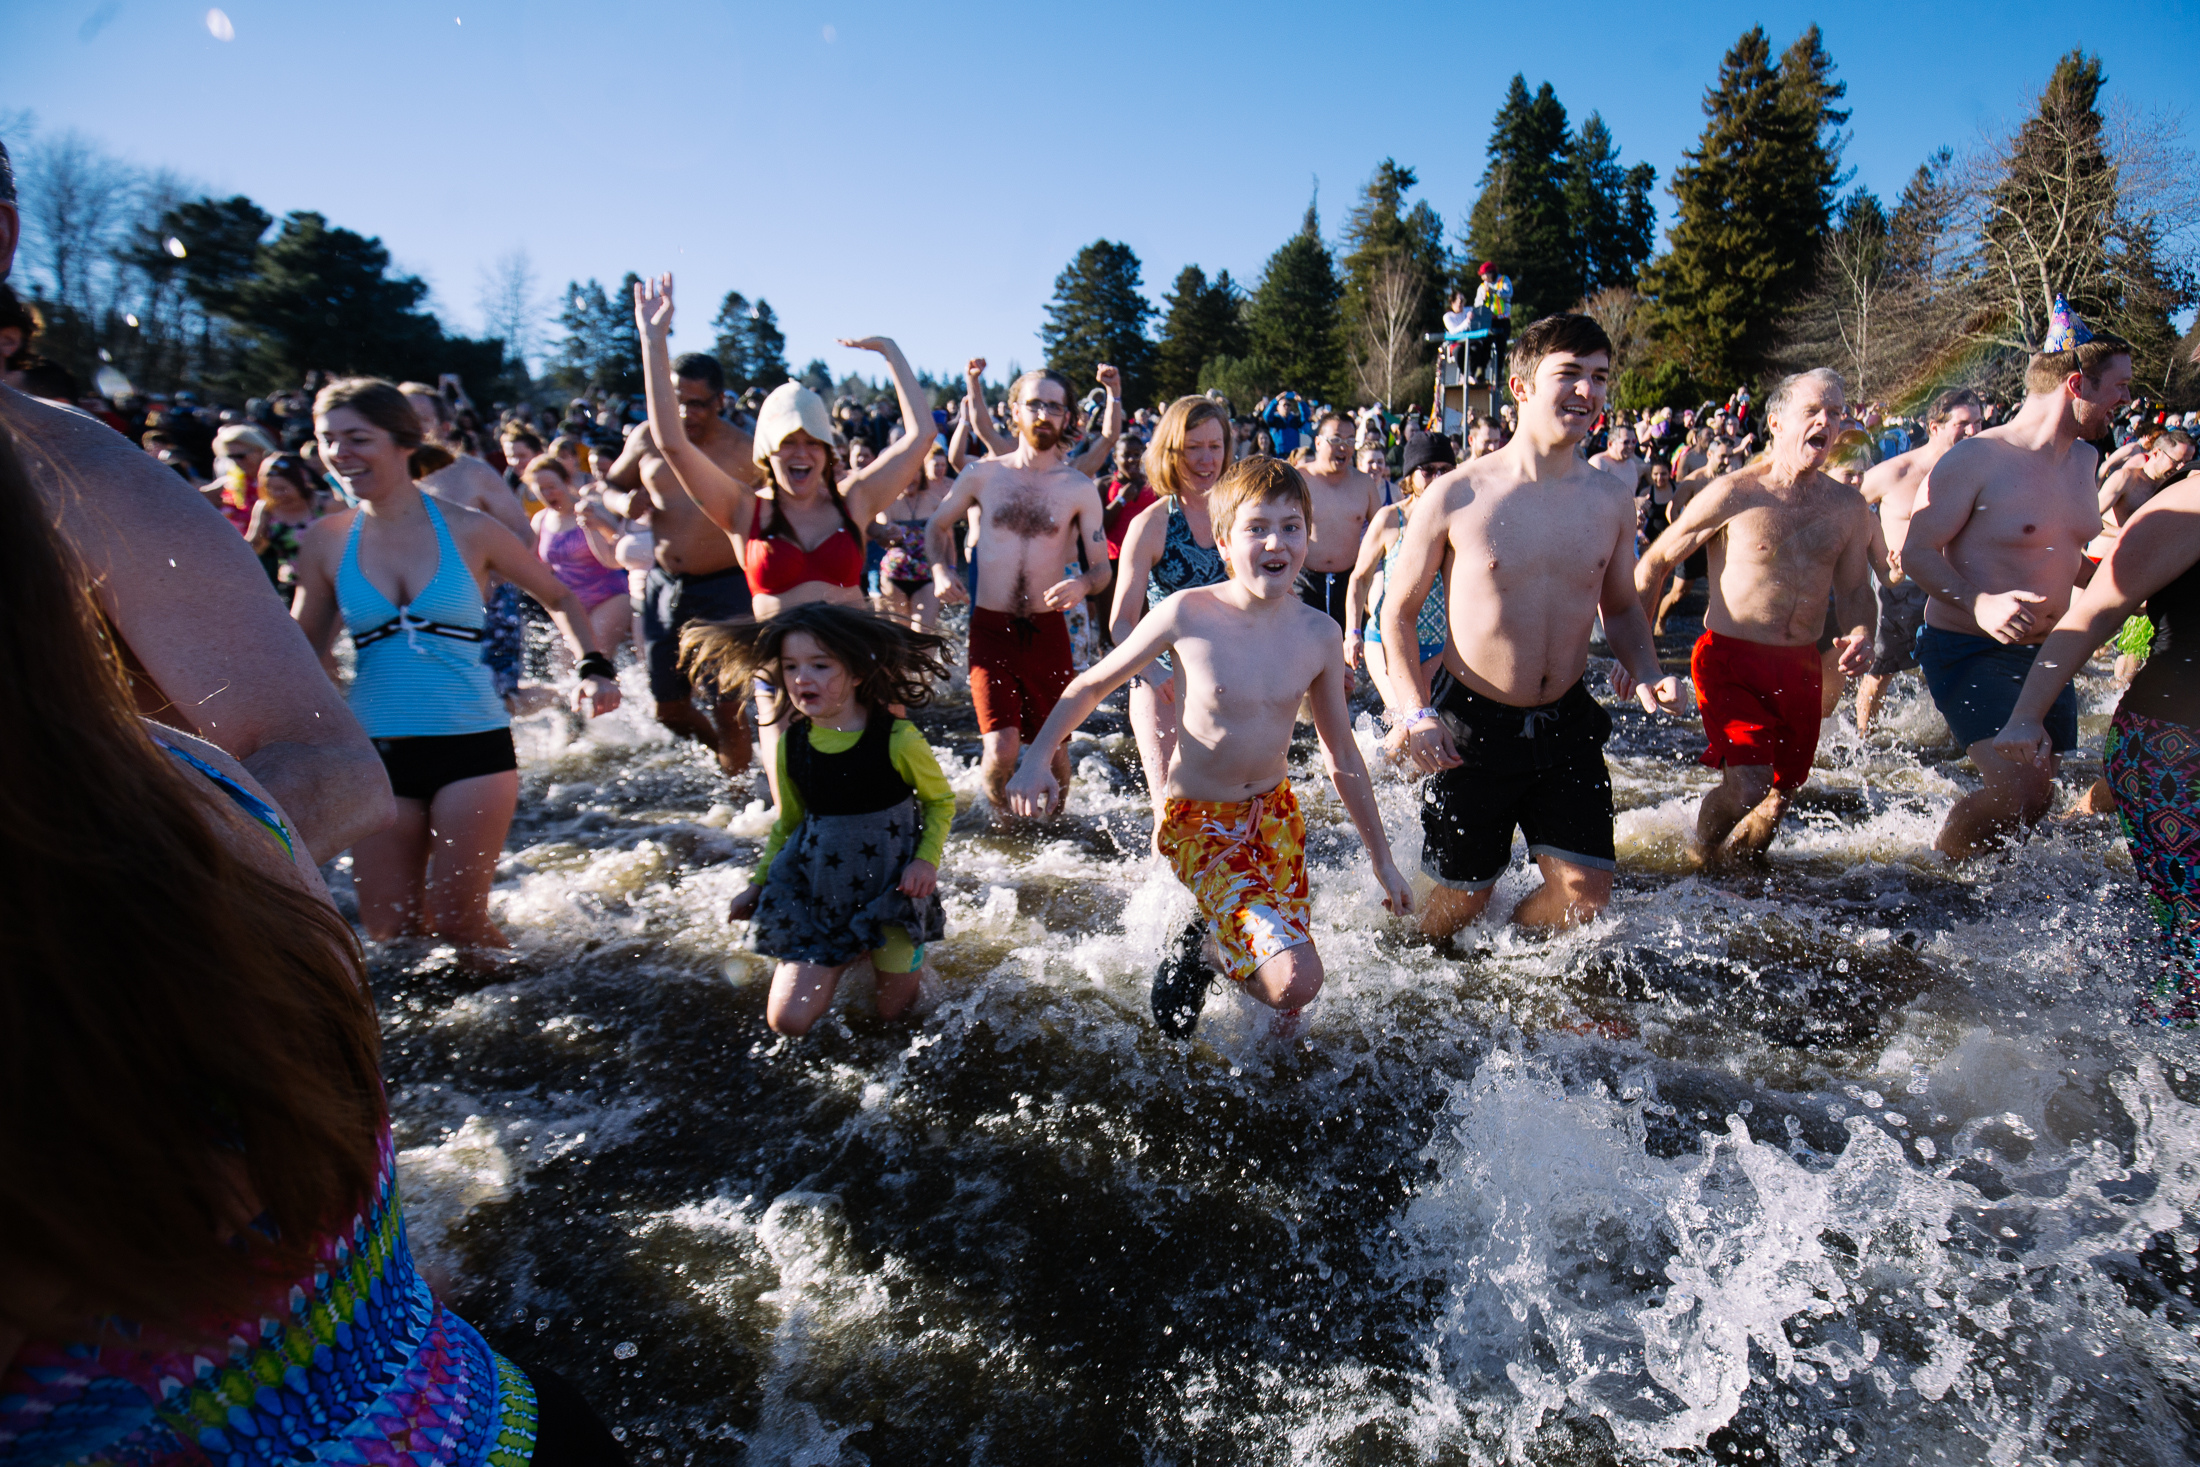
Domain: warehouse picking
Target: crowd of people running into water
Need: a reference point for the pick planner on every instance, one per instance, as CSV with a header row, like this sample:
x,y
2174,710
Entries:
x,y
791,575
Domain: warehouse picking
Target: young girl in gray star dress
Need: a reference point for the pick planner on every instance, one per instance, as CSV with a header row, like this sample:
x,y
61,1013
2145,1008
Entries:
x,y
852,865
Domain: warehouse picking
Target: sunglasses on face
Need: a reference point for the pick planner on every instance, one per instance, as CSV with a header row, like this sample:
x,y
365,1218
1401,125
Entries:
x,y
1040,409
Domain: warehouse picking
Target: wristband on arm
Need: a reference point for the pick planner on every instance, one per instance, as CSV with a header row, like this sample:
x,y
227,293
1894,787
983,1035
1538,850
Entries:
x,y
595,664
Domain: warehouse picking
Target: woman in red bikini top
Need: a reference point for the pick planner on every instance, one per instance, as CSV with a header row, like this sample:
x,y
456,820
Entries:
x,y
804,542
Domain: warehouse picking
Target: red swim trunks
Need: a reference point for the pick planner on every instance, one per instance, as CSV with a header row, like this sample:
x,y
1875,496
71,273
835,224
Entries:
x,y
1018,669
1759,704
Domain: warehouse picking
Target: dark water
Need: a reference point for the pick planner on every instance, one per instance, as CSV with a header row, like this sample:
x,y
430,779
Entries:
x,y
1846,1160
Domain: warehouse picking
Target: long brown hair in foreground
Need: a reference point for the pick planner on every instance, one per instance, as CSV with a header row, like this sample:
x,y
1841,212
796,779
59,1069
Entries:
x,y
890,663
185,1041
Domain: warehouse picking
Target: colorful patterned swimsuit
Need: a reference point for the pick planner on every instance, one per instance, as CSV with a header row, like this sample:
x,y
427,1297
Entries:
x,y
1183,563
2153,765
365,1366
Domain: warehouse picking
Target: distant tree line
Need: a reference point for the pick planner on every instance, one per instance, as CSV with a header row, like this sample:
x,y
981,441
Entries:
x,y
1769,264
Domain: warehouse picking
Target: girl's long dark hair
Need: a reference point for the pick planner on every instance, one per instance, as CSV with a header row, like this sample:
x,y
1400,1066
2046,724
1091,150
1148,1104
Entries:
x,y
890,663
186,1041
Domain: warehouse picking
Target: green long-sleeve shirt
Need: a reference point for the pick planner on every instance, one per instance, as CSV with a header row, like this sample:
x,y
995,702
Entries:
x,y
913,761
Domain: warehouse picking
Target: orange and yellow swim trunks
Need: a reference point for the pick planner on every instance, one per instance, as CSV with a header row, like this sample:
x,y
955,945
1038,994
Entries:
x,y
1245,862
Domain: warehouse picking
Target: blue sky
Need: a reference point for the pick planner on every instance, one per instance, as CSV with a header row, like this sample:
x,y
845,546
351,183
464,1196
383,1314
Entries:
x,y
925,171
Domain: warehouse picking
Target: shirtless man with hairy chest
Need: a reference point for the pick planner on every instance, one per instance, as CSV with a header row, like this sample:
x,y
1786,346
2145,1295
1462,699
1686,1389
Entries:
x,y
1034,512
1782,535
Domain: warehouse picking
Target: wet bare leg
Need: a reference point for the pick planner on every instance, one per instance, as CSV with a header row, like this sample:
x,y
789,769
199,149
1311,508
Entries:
x,y
997,765
896,991
1832,681
1740,815
388,870
2016,796
801,993
1870,689
467,822
1446,910
2099,798
1290,980
1569,896
1672,599
1153,723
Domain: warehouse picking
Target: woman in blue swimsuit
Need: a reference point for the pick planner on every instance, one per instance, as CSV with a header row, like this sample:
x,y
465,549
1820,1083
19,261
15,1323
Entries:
x,y
408,577
1168,548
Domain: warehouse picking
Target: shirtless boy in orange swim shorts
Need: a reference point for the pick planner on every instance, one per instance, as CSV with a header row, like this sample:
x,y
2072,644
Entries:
x,y
1231,826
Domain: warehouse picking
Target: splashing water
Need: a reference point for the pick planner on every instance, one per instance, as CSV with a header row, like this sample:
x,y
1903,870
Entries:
x,y
1848,1159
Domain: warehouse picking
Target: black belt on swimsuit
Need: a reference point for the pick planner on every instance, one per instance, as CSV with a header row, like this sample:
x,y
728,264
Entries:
x,y
400,623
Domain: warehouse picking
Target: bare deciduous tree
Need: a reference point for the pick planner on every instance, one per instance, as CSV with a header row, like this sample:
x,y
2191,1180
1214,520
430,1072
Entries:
x,y
73,198
512,306
1615,309
1388,355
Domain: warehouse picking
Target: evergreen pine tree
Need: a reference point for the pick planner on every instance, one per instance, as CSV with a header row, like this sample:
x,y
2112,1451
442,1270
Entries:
x,y
1519,220
1203,322
1292,323
601,349
1381,229
1609,213
322,297
1098,315
732,344
1755,195
1922,216
767,348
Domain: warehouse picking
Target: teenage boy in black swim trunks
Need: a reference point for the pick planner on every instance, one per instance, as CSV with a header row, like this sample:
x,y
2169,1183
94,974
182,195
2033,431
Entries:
x,y
1537,543
1345,499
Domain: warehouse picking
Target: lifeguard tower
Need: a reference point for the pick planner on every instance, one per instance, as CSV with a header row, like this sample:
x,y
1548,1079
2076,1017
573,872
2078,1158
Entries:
x,y
1456,400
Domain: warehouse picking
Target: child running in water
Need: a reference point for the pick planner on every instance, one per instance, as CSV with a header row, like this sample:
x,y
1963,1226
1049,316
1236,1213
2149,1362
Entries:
x,y
1231,826
851,865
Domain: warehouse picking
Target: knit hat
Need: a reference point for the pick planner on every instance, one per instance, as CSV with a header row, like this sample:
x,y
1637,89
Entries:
x,y
789,407
1426,449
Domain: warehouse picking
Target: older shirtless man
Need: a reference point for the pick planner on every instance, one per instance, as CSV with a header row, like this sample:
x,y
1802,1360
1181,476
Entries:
x,y
1034,511
1539,543
1345,499
1997,540
1620,460
1891,488
1782,535
219,657
697,576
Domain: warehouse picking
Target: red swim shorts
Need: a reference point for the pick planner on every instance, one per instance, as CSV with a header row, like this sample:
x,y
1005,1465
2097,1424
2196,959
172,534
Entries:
x,y
1018,669
1759,704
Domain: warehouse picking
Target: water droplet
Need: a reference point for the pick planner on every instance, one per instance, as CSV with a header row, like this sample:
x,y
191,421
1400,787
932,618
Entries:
x,y
624,1350
218,25
831,35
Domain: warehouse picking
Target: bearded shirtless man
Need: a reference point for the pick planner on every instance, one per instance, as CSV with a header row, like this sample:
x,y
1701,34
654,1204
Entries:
x,y
1539,543
1034,511
697,576
1891,488
1782,535
1345,499
1997,540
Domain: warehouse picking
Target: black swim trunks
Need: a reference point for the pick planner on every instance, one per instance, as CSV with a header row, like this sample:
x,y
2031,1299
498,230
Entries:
x,y
1325,592
669,603
419,767
1540,770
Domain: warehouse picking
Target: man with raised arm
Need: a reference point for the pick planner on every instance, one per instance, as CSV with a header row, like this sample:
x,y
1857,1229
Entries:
x,y
186,596
1782,536
1034,511
1091,456
1997,540
697,576
1891,488
1539,543
1345,499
